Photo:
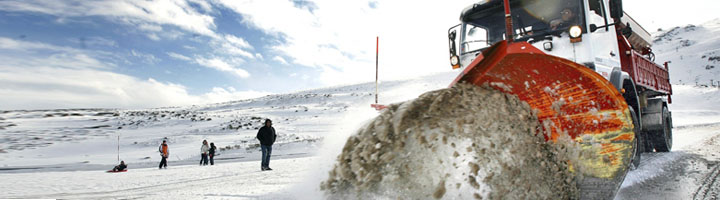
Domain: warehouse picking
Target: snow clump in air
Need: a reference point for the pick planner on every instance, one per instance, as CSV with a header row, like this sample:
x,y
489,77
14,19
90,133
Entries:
x,y
463,142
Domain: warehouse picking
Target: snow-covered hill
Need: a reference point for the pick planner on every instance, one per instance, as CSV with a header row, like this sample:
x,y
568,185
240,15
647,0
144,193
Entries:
x,y
694,53
88,138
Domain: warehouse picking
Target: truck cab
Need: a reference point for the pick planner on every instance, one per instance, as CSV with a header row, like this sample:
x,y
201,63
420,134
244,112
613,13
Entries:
x,y
578,30
595,34
584,66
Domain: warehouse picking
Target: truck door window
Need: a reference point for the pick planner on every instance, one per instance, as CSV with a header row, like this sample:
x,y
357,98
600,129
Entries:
x,y
474,38
595,6
598,14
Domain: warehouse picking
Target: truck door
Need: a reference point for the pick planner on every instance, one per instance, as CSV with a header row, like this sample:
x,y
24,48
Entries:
x,y
604,45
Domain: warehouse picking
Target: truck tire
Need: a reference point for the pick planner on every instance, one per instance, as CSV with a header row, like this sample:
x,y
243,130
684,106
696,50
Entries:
x,y
639,140
662,140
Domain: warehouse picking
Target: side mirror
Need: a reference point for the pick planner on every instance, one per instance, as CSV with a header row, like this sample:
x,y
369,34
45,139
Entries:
x,y
616,9
451,37
454,59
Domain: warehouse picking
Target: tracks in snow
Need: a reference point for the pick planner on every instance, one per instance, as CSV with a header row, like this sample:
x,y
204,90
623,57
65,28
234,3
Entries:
x,y
710,188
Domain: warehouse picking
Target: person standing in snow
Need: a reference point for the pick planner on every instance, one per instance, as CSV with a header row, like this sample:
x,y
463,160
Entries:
x,y
212,153
267,136
164,153
204,153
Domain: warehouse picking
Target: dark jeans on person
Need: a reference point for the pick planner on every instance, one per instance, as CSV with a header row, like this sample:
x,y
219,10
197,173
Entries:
x,y
163,162
212,160
203,159
266,151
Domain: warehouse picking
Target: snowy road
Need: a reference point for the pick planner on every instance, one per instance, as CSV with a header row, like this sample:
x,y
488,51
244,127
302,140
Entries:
x,y
690,171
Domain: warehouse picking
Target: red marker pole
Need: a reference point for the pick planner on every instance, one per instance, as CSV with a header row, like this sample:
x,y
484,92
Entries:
x,y
377,51
508,22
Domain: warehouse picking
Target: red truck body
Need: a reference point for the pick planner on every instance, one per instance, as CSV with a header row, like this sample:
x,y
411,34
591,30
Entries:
x,y
648,76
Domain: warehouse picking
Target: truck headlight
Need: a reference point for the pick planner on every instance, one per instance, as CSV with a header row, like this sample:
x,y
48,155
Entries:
x,y
454,61
575,31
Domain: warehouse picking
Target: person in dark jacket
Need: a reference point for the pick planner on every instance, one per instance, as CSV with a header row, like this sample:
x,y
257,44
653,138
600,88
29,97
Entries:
x,y
120,167
212,153
267,136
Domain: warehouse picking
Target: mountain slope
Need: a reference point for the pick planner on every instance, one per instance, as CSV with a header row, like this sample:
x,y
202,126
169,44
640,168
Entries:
x,y
694,53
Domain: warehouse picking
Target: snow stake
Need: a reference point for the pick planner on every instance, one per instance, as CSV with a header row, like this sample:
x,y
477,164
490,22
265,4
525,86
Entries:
x,y
377,49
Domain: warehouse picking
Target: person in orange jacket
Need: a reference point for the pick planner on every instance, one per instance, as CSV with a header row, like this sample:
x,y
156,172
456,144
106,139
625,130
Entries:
x,y
164,153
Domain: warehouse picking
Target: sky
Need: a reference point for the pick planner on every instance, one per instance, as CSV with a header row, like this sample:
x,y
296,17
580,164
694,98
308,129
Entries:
x,y
143,54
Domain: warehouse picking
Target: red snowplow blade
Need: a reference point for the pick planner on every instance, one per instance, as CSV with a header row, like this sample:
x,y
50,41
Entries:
x,y
569,99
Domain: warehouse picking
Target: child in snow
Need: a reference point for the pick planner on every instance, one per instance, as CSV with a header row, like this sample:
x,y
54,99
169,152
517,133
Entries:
x,y
120,167
212,153
204,150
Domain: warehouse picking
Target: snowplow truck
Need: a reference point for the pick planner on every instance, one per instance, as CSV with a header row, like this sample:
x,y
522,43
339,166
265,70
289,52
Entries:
x,y
584,66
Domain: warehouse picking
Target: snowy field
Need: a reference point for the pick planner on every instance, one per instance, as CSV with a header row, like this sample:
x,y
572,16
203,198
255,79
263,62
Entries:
x,y
73,166
65,153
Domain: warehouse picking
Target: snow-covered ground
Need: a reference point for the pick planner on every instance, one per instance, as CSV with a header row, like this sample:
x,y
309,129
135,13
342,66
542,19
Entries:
x,y
68,151
64,153
73,166
690,171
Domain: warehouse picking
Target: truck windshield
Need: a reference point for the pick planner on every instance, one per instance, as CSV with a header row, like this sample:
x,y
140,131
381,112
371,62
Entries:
x,y
484,24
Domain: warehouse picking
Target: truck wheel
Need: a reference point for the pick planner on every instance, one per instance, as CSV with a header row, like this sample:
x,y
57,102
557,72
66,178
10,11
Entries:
x,y
663,138
639,140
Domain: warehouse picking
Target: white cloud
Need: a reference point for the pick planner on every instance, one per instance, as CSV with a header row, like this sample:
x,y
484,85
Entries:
x,y
147,15
218,64
233,46
232,50
280,60
145,57
239,42
203,4
72,78
219,94
150,27
15,53
667,13
178,56
94,41
259,56
153,36
338,37
18,45
51,88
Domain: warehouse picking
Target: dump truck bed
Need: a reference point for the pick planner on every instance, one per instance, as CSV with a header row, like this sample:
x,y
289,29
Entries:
x,y
654,78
